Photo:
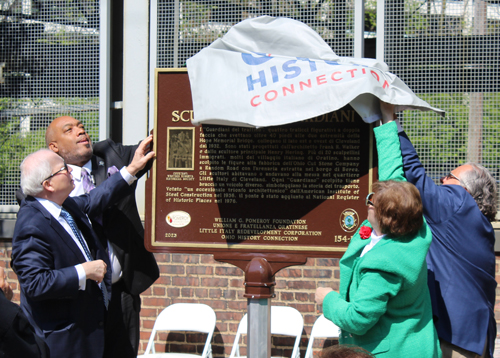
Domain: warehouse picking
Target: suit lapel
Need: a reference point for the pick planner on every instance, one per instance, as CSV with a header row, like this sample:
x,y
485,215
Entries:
x,y
58,229
98,170
85,228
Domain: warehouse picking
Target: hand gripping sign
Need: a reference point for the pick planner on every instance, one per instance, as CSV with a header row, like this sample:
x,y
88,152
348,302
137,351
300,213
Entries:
x,y
270,71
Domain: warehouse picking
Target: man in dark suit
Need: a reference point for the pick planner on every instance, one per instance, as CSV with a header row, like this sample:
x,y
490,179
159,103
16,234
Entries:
x,y
60,263
461,258
17,337
135,269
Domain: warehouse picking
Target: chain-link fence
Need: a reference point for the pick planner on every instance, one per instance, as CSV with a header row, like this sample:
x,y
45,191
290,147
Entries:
x,y
49,51
185,27
447,51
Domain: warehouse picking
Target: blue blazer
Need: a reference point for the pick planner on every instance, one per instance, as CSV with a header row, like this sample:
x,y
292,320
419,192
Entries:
x,y
44,255
461,259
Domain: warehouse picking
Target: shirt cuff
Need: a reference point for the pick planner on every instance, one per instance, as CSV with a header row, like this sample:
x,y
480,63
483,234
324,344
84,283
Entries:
x,y
82,277
129,178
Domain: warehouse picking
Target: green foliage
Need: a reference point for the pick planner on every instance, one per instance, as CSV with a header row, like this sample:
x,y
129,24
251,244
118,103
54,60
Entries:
x,y
415,21
443,142
491,130
370,15
18,139
14,147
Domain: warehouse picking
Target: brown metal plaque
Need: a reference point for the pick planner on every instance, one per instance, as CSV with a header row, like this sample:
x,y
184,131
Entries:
x,y
294,189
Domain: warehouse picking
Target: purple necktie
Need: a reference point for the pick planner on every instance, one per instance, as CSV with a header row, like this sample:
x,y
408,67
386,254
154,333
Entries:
x,y
88,185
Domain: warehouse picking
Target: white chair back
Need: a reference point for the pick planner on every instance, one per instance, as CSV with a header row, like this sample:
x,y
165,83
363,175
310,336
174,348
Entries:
x,y
323,328
190,317
286,321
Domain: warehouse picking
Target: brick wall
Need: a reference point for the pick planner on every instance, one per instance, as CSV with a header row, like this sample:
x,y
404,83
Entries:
x,y
199,278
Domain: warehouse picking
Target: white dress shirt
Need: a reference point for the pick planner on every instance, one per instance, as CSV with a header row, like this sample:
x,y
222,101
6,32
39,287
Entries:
x,y
374,240
77,177
116,268
55,210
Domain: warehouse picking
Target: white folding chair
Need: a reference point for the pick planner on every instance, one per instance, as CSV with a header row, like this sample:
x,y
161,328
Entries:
x,y
286,321
323,328
189,317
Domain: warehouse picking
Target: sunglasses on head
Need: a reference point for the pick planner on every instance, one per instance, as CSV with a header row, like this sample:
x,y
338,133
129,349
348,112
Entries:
x,y
449,176
368,200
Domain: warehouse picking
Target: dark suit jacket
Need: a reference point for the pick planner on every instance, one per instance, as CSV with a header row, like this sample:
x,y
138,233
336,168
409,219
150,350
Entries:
x,y
461,259
44,255
121,223
17,337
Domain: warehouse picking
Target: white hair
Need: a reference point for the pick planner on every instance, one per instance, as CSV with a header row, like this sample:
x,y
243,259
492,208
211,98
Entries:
x,y
482,186
35,168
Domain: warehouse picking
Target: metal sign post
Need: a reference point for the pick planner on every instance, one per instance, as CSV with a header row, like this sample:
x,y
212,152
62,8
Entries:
x,y
259,289
259,327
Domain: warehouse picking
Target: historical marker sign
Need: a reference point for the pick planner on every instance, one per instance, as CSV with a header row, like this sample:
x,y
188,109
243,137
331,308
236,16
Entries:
x,y
291,189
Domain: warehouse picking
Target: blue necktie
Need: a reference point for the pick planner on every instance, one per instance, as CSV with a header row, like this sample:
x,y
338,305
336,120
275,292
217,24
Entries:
x,y
69,219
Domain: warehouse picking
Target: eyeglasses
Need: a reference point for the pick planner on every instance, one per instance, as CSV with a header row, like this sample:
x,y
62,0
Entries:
x,y
368,201
450,176
65,168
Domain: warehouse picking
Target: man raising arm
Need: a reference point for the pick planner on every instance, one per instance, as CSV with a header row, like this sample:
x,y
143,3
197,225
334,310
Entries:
x,y
461,259
61,265
120,228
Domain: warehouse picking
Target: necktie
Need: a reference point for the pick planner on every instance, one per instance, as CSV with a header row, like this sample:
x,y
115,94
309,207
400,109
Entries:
x,y
69,219
88,185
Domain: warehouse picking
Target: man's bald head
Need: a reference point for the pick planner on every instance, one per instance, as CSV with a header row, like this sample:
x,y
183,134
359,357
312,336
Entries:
x,y
67,137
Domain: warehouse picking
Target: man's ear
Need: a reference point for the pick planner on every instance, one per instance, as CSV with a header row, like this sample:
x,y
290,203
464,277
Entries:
x,y
54,147
47,186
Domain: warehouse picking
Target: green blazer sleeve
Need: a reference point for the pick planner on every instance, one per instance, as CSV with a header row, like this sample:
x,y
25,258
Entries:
x,y
390,159
367,303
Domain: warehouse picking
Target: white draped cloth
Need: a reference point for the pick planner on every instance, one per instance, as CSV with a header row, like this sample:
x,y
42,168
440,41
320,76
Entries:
x,y
270,71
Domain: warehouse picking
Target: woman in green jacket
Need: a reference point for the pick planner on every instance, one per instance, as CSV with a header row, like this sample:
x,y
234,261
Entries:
x,y
383,304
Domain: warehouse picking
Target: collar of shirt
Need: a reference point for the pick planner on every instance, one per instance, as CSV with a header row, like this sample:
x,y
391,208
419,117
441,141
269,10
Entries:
x,y
77,177
374,240
55,210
